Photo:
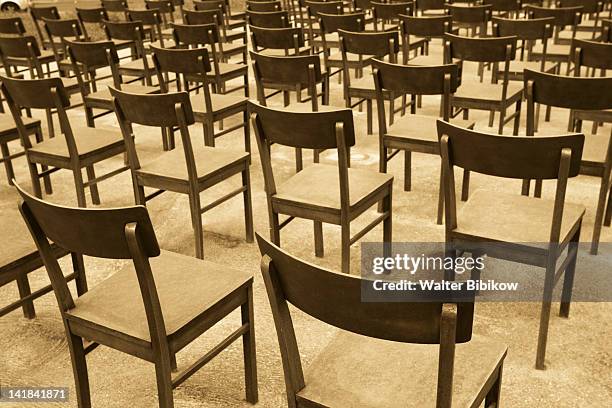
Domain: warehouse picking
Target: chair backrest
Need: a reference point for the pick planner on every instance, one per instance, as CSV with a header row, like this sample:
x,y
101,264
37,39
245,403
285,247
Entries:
x,y
391,11
495,49
204,17
593,55
331,23
564,16
125,30
149,17
471,14
328,7
115,6
588,6
524,29
426,26
264,5
12,25
271,19
91,15
92,56
277,38
115,233
424,5
504,5
606,30
378,44
19,47
191,62
165,7
38,13
62,28
315,290
195,34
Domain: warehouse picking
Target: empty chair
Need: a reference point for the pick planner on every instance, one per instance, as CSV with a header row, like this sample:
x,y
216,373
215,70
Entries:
x,y
119,7
279,41
152,308
59,30
208,108
414,28
524,229
494,97
430,7
95,56
264,6
414,133
332,194
232,20
12,25
586,97
97,16
505,8
76,148
268,19
23,52
366,363
330,37
190,170
473,18
38,13
9,133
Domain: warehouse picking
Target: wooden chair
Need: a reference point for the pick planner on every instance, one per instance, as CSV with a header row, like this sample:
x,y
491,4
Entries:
x,y
322,193
232,20
587,28
472,18
208,108
12,25
117,7
606,31
166,10
365,364
151,20
20,257
427,27
59,30
414,133
263,6
95,56
529,32
330,9
271,19
330,24
178,301
207,35
494,97
520,229
133,31
505,8
76,148
292,74
430,8
37,13
190,170
586,97
279,41
21,53
391,12
357,51
97,16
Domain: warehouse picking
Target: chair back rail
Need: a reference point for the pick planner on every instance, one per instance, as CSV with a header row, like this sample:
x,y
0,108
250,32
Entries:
x,y
425,26
291,70
331,23
593,55
391,11
277,38
12,25
271,19
497,49
524,29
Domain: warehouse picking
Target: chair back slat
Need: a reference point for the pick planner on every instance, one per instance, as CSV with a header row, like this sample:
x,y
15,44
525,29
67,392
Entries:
x,y
92,15
19,47
272,19
588,6
35,93
309,130
196,17
153,109
516,157
336,299
568,92
124,30
195,34
93,55
12,25
391,11
331,23
416,80
291,70
149,17
592,54
314,8
63,27
565,16
181,61
504,5
524,29
480,49
426,26
115,6
378,44
277,38
92,231
264,5
470,14
424,5
48,12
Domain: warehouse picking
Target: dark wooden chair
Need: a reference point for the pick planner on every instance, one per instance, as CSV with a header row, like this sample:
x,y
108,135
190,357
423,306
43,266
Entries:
x,y
505,8
263,6
190,170
152,308
494,96
587,28
207,35
472,18
523,229
9,133
414,133
292,74
414,28
279,41
132,31
383,13
37,13
332,11
207,107
166,10
22,53
588,95
320,192
606,31
528,32
96,17
76,148
151,20
117,7
365,364
59,30
357,51
232,19
93,57
20,257
12,25
270,19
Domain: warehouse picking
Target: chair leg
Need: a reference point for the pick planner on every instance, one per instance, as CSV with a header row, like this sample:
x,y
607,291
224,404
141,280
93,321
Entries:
x,y
80,187
89,117
491,118
79,369
248,348
537,191
248,206
318,238
247,132
369,116
517,118
440,197
93,188
502,119
466,115
465,185
23,285
274,228
492,398
387,206
80,278
568,279
46,179
599,214
163,374
35,179
407,170
196,221
549,280
8,164
298,160
608,217
345,246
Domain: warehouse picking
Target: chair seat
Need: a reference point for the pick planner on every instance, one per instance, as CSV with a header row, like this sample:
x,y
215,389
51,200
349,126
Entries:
x,y
89,142
71,84
580,35
520,66
233,48
119,44
137,65
209,161
168,43
513,218
187,288
336,57
220,102
360,371
482,91
229,69
8,127
305,50
318,186
104,95
557,50
430,59
421,129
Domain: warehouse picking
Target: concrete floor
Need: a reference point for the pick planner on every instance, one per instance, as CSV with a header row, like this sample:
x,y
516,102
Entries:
x,y
34,352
